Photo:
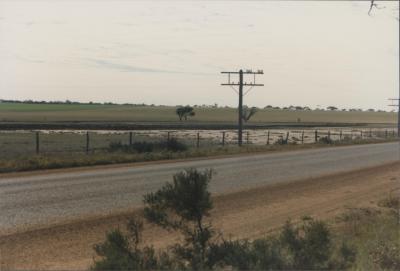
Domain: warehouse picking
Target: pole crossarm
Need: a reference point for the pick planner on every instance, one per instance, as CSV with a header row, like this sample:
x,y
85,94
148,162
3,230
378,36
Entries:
x,y
246,72
244,84
398,112
393,101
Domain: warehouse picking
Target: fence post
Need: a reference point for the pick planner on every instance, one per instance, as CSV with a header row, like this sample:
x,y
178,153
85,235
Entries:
x,y
302,137
361,133
198,140
287,137
329,135
223,138
168,136
370,132
130,138
316,136
248,139
268,138
87,142
340,135
37,142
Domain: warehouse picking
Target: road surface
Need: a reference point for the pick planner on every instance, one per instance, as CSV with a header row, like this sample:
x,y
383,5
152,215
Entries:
x,y
31,201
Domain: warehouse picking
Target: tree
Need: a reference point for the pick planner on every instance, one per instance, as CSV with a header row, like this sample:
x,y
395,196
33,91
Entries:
x,y
332,108
299,108
248,113
182,206
184,112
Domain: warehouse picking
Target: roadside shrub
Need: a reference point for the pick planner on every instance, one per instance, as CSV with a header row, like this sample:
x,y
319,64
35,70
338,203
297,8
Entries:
x,y
121,252
185,204
281,141
325,140
261,254
139,147
172,145
182,206
309,244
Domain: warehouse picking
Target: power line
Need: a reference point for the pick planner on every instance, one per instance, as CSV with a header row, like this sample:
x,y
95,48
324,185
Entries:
x,y
240,83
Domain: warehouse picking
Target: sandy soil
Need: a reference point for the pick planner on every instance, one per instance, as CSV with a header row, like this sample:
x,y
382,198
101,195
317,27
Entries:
x,y
245,214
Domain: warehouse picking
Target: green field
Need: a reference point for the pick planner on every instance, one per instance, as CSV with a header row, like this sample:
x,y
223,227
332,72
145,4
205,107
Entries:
x,y
15,112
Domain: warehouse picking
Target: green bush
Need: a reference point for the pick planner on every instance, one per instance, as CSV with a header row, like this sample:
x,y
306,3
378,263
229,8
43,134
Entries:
x,y
118,254
261,254
183,206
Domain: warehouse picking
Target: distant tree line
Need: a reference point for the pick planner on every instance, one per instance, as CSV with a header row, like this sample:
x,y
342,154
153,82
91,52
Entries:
x,y
71,102
250,111
328,108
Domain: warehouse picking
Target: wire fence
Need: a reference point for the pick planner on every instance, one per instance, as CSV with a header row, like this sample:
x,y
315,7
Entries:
x,y
17,143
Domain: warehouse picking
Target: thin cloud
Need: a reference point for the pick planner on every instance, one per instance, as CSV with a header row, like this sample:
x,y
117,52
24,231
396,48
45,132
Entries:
x,y
129,68
30,60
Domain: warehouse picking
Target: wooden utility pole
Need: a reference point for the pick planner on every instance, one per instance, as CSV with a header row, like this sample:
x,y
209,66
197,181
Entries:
x,y
87,142
37,142
240,84
398,113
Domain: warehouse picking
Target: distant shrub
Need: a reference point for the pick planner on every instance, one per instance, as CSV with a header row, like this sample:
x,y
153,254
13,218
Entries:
x,y
144,146
173,145
115,146
281,141
325,140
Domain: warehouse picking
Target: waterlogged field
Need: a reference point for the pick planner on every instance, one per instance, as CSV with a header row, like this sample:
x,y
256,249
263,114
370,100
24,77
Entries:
x,y
22,143
14,112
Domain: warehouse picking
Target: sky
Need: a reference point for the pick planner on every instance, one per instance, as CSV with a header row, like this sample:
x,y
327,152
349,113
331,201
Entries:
x,y
315,54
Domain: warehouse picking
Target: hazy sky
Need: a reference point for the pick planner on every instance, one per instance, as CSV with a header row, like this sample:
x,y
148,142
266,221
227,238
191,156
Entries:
x,y
172,52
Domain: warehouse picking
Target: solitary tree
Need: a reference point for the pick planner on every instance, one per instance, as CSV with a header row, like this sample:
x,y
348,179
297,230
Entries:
x,y
248,113
332,108
182,206
184,112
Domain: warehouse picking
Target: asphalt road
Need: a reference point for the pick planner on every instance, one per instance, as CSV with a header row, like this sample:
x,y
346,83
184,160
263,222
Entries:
x,y
36,200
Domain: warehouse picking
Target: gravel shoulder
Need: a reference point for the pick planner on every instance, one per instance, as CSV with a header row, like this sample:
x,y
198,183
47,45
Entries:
x,y
247,213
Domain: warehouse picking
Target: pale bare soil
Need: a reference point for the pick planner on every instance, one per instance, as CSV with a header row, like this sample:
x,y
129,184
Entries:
x,y
245,214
